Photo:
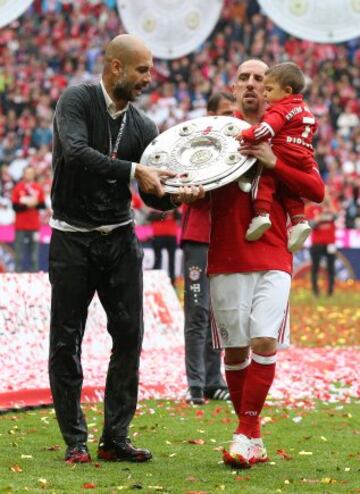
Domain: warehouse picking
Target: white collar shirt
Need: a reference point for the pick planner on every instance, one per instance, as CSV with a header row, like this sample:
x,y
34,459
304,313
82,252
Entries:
x,y
110,105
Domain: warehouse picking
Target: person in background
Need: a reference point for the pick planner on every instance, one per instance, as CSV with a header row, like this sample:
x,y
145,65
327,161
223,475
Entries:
x,y
165,227
202,361
7,213
322,218
27,198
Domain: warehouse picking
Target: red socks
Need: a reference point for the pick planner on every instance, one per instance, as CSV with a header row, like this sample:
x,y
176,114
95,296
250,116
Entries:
x,y
235,377
259,377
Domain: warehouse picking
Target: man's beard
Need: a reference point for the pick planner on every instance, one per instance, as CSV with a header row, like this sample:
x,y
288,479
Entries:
x,y
250,106
123,91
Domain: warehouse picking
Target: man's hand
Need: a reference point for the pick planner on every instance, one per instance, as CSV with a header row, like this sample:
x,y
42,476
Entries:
x,y
149,179
261,151
188,194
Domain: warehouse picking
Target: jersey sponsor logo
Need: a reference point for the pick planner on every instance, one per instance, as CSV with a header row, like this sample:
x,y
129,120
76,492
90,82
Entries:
x,y
195,287
298,140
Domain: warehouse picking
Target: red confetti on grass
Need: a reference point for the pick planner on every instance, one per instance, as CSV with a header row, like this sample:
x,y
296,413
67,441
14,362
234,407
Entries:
x,y
303,376
284,454
55,447
196,441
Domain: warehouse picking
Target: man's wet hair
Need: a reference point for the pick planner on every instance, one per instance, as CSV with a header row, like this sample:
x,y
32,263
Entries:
x,y
215,98
287,74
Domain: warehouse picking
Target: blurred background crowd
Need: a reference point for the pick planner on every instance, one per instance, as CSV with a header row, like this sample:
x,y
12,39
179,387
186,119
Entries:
x,y
56,44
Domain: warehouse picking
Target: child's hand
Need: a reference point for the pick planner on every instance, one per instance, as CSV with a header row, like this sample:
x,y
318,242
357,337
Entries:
x,y
239,137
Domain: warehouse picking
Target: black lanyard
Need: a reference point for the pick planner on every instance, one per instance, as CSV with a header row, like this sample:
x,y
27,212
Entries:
x,y
113,150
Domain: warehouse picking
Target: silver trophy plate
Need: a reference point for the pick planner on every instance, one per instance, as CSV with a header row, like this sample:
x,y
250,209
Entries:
x,y
202,151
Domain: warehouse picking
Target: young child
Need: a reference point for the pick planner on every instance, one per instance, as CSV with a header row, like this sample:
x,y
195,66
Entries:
x,y
290,125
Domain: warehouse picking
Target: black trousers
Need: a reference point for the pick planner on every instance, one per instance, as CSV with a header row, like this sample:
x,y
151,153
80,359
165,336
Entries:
x,y
202,361
111,265
318,251
27,242
169,243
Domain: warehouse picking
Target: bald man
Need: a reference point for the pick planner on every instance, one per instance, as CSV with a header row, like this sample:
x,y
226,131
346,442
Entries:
x,y
99,137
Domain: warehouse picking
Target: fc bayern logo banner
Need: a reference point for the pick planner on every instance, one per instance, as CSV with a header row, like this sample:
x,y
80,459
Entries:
x,y
12,9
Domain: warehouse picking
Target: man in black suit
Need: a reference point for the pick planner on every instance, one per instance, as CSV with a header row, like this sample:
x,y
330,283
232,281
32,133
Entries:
x,y
99,137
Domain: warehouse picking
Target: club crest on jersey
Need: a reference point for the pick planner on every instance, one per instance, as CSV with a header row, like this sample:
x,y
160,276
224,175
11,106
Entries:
x,y
223,332
194,273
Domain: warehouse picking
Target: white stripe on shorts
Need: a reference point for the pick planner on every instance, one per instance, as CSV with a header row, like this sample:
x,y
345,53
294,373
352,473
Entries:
x,y
284,331
214,332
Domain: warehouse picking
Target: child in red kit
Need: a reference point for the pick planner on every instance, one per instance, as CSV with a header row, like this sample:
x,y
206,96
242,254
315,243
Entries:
x,y
290,125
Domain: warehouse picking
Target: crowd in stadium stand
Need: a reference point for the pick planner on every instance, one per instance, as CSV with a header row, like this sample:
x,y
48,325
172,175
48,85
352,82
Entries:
x,y
57,43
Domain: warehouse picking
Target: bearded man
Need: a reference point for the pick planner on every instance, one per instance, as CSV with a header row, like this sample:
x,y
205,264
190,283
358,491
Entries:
x,y
99,137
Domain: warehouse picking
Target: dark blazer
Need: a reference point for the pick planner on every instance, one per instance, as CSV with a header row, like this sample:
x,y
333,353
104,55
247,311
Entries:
x,y
89,189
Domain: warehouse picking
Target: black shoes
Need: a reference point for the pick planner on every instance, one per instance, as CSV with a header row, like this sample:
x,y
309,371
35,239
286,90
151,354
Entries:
x,y
121,450
78,453
195,396
218,394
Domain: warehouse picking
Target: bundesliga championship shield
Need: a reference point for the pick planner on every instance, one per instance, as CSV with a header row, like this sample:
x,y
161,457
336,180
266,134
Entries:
x,y
332,21
202,151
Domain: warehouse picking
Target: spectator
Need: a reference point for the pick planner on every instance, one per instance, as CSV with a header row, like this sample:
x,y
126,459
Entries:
x,y
164,226
27,199
347,121
322,219
18,165
7,215
352,206
42,135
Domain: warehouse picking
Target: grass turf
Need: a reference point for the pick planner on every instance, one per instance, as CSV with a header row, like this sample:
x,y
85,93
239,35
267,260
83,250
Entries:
x,y
325,321
312,451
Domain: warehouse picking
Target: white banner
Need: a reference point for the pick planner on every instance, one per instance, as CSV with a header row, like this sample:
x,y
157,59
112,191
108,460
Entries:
x,y
171,28
330,21
12,9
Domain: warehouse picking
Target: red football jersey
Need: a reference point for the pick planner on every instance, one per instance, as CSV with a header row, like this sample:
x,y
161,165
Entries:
x,y
324,231
29,219
291,127
231,213
195,221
